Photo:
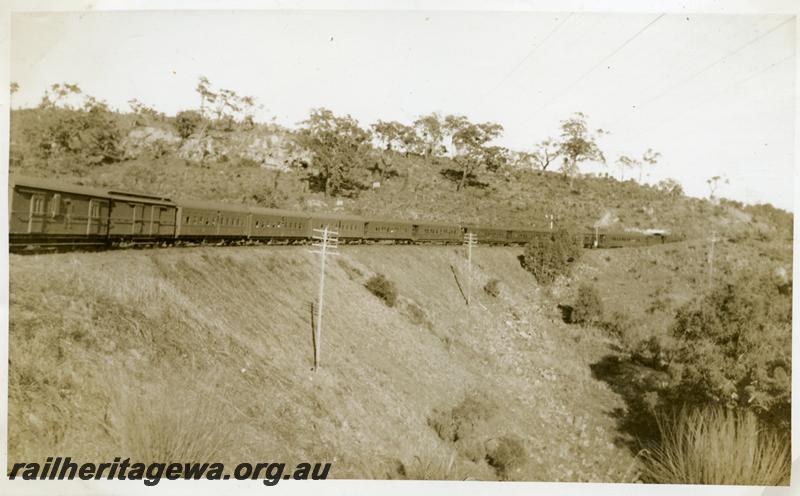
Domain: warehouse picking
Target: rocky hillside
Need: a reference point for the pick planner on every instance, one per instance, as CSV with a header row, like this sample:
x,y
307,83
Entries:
x,y
263,165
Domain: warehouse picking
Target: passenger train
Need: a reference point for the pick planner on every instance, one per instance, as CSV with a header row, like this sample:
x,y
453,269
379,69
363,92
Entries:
x,y
48,215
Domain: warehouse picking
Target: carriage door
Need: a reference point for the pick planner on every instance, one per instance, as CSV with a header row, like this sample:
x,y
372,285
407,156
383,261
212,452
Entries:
x,y
36,213
158,219
137,222
165,220
93,221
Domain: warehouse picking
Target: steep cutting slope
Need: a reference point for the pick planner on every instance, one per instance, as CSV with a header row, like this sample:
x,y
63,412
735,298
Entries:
x,y
207,352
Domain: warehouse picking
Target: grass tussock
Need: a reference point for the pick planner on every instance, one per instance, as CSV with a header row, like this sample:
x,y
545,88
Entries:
x,y
433,468
716,446
167,424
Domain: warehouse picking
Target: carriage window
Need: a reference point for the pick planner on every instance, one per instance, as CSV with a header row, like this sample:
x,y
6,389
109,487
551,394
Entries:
x,y
37,204
95,209
68,210
56,205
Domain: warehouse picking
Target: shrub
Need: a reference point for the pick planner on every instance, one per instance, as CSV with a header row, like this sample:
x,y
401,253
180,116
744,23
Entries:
x,y
383,289
716,446
588,309
735,347
492,288
550,256
505,454
621,326
460,422
187,122
89,135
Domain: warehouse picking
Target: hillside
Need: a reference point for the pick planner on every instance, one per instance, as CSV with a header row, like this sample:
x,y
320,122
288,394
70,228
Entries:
x,y
264,166
203,341
149,352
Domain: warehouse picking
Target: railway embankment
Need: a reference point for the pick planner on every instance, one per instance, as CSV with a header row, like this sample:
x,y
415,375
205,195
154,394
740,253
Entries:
x,y
207,353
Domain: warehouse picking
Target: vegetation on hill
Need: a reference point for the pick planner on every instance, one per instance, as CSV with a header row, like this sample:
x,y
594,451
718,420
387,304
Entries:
x,y
703,324
438,167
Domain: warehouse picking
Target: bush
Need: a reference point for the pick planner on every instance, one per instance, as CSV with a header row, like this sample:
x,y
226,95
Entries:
x,y
460,422
187,122
550,256
505,454
492,288
383,289
89,135
735,347
588,309
716,446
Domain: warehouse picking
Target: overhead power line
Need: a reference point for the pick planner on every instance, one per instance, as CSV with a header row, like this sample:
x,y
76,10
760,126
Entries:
x,y
528,55
716,62
719,94
601,62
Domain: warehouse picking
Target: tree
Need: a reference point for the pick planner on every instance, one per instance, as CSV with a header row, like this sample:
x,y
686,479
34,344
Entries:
x,y
626,162
187,122
339,149
649,157
13,87
470,143
671,187
59,95
390,134
545,153
430,132
548,257
578,145
713,184
203,88
144,113
75,127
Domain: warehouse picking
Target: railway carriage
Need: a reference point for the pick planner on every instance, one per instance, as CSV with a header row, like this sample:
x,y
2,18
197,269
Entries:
x,y
135,216
619,239
384,229
201,220
44,211
524,236
349,227
488,235
437,231
279,224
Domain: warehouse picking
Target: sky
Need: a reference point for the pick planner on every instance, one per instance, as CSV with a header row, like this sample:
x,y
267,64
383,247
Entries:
x,y
713,93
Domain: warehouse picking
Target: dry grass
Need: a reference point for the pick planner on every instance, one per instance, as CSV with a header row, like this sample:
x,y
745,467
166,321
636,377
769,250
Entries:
x,y
168,423
716,446
207,340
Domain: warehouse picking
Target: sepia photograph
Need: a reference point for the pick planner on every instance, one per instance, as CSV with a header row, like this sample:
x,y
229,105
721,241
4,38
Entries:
x,y
421,242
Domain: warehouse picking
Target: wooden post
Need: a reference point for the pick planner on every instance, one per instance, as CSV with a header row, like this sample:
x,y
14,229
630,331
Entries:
x,y
470,240
326,244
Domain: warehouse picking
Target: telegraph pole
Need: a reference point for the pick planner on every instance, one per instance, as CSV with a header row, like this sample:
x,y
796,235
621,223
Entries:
x,y
326,242
470,240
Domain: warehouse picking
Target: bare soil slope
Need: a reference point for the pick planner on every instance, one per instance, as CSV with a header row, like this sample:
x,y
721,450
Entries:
x,y
197,353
